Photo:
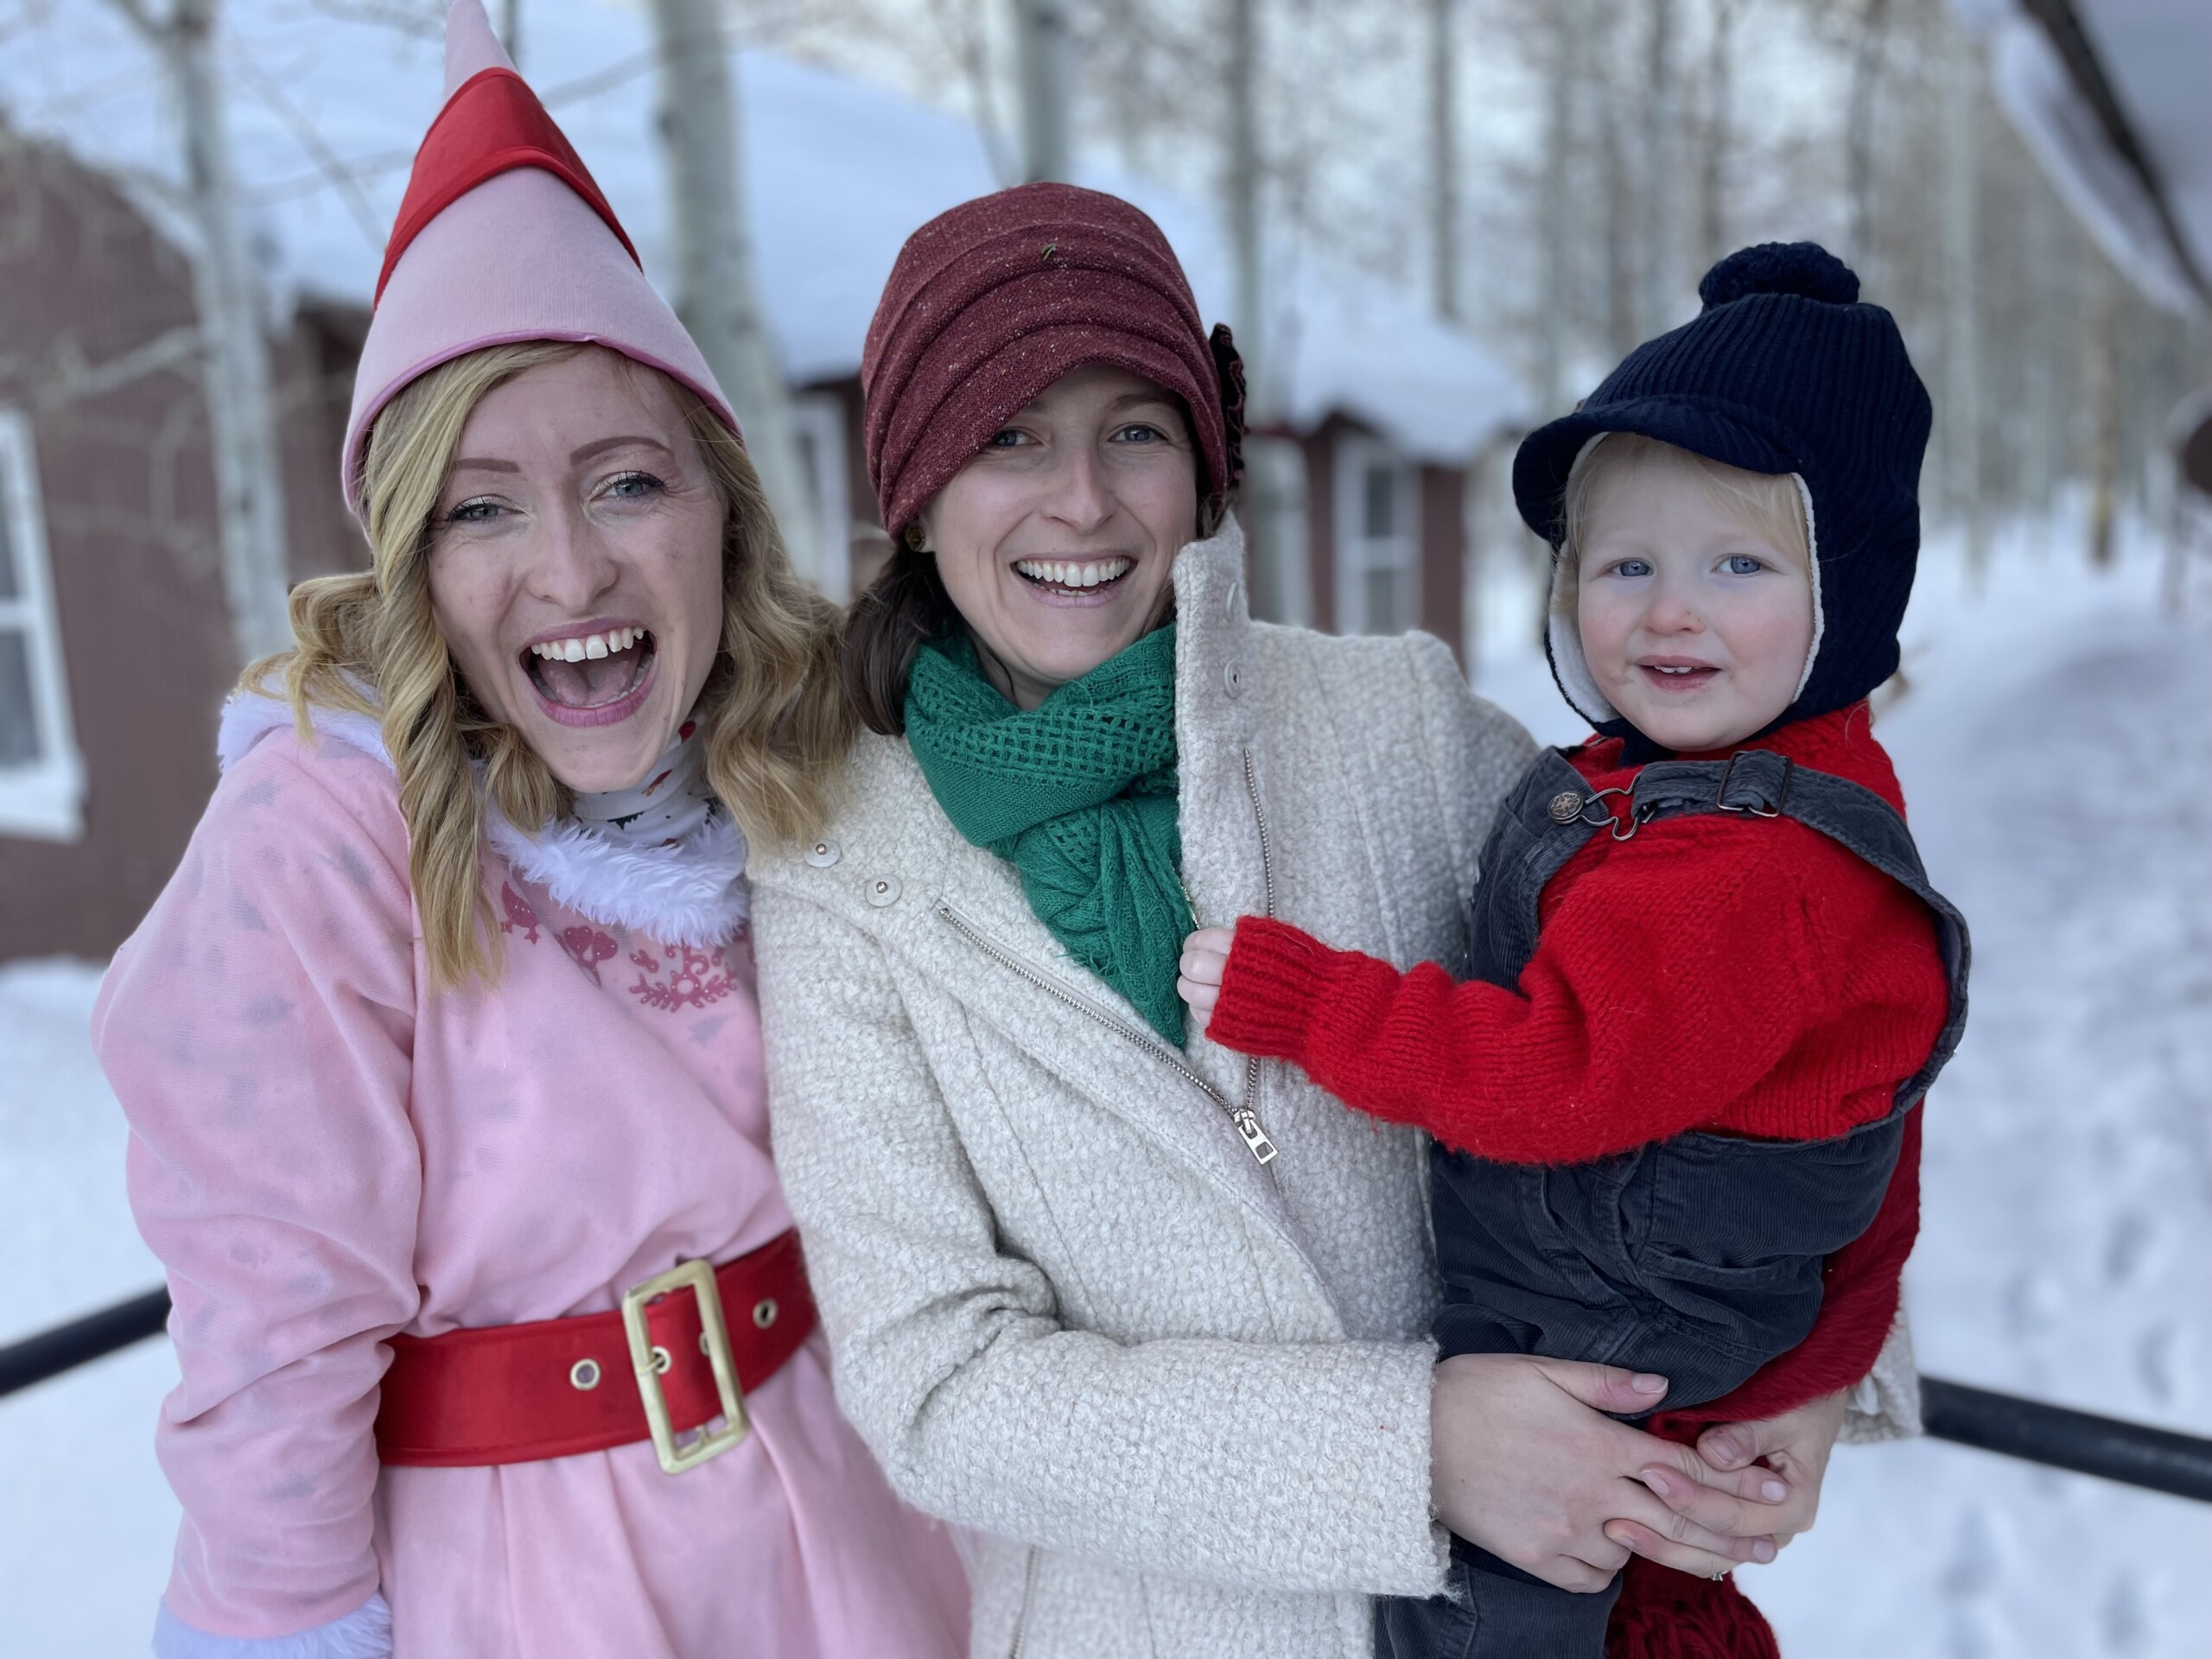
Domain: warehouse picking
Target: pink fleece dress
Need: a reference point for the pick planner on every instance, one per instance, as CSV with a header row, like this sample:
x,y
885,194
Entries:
x,y
325,1152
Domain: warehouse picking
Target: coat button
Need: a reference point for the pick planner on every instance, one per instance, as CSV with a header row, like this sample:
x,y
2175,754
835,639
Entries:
x,y
1566,807
884,890
1232,679
822,855
583,1376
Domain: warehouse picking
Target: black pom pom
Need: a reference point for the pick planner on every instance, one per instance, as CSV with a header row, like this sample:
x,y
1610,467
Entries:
x,y
1806,269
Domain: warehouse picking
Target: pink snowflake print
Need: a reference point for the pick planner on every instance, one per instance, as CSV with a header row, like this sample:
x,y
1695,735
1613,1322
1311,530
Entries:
x,y
696,979
520,914
587,948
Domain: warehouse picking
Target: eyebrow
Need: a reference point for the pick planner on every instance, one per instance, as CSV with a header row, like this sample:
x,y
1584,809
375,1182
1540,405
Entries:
x,y
576,457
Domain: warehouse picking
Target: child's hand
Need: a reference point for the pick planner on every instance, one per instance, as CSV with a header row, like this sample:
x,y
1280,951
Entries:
x,y
1205,956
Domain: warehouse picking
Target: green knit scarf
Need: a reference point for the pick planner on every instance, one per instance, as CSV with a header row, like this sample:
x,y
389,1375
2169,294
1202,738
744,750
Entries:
x,y
1078,795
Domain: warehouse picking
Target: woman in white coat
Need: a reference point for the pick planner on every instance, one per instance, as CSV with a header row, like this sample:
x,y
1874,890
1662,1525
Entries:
x,y
1151,1320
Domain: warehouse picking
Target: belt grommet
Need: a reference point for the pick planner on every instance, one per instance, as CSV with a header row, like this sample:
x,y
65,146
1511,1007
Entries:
x,y
583,1376
764,1311
662,1360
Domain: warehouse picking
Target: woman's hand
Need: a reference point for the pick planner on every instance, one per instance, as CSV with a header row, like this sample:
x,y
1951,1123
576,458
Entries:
x,y
1206,957
1792,1450
1522,1463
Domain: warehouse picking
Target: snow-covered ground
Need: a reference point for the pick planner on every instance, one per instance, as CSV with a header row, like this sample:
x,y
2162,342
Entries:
x,y
2056,741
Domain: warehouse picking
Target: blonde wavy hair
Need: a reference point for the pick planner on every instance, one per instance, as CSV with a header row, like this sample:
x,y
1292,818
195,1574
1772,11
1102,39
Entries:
x,y
776,725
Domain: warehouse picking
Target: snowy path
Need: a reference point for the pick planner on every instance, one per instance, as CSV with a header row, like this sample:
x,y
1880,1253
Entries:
x,y
2057,745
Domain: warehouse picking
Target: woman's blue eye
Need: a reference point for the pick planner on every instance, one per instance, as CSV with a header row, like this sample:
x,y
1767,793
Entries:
x,y
1743,564
473,513
1140,432
1005,438
632,486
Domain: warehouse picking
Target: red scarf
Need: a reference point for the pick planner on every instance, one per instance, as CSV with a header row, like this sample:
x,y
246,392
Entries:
x,y
1663,1614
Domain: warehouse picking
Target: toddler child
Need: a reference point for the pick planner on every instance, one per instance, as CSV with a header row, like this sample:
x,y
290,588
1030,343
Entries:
x,y
1673,1106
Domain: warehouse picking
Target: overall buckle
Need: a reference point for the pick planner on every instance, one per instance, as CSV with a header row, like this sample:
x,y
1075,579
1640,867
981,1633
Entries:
x,y
1727,775
650,1361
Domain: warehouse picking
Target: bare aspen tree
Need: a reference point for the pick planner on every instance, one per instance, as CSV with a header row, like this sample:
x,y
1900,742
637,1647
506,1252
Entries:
x,y
1860,133
1961,327
716,294
249,476
1279,581
1045,61
1563,61
1657,221
1443,158
511,29
1719,134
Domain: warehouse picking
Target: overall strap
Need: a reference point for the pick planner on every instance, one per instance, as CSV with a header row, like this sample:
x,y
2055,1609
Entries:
x,y
1528,842
1760,783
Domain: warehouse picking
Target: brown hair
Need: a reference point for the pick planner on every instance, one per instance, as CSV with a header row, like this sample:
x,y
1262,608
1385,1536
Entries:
x,y
368,642
1770,502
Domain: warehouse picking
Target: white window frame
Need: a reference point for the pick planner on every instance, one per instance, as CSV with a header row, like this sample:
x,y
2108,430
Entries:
x,y
819,424
1275,499
1357,553
43,800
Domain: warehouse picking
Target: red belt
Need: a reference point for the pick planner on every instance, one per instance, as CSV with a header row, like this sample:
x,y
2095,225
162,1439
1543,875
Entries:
x,y
680,1352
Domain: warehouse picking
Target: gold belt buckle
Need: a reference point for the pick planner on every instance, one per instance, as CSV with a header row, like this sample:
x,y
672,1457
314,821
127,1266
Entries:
x,y
650,1361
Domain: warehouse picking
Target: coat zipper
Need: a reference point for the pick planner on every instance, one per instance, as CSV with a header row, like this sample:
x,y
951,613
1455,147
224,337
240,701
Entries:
x,y
1028,1594
1268,890
1246,1121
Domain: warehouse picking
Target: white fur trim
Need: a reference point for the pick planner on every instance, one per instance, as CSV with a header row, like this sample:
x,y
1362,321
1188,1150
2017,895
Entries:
x,y
365,1633
1813,560
694,893
249,717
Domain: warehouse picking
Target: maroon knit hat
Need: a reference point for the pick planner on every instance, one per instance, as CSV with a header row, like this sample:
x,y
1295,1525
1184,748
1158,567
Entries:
x,y
992,303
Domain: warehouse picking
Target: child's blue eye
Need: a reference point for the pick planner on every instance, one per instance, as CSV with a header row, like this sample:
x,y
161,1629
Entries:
x,y
1743,564
1633,568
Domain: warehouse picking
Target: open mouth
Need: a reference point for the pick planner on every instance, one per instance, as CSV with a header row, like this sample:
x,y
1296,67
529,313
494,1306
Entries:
x,y
1074,578
1677,676
591,678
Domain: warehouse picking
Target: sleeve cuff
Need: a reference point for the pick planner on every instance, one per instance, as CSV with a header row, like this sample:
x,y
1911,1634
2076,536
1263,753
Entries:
x,y
365,1633
1274,983
1885,1403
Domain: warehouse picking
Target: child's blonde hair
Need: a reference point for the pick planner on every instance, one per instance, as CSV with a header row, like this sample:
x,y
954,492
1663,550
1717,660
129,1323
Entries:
x,y
1771,504
777,726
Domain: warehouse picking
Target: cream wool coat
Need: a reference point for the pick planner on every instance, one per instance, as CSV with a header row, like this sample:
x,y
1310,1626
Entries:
x,y
1181,1397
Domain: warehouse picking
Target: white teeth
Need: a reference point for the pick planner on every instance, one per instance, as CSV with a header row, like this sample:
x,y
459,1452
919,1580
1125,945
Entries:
x,y
591,644
1067,573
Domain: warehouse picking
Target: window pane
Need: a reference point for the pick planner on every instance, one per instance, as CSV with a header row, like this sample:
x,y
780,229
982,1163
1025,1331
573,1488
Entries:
x,y
18,719
1382,592
1382,502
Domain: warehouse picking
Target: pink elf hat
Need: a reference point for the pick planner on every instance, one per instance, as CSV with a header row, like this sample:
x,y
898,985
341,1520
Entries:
x,y
502,235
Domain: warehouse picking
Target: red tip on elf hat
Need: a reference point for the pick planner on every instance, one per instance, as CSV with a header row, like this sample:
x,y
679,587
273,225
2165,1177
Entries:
x,y
503,237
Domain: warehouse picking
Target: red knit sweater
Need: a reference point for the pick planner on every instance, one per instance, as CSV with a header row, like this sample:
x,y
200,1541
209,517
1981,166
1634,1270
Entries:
x,y
1741,974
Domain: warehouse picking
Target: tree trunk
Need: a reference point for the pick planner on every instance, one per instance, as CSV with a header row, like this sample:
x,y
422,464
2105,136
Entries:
x,y
1443,159
1044,53
716,295
1719,134
249,472
1656,226
1962,355
1564,20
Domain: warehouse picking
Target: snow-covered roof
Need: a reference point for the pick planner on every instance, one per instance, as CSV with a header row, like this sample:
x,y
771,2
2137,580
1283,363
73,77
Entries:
x,y
2155,56
325,111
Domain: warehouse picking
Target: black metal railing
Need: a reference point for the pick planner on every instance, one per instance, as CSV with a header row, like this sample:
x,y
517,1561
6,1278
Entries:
x,y
2133,1454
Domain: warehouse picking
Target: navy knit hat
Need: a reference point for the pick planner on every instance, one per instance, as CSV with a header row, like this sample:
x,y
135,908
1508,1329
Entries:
x,y
1783,371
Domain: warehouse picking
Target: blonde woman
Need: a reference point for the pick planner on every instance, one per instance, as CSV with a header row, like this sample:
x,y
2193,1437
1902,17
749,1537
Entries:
x,y
441,1051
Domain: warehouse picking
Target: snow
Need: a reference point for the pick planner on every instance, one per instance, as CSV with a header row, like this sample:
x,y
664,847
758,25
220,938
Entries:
x,y
325,114
2056,741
